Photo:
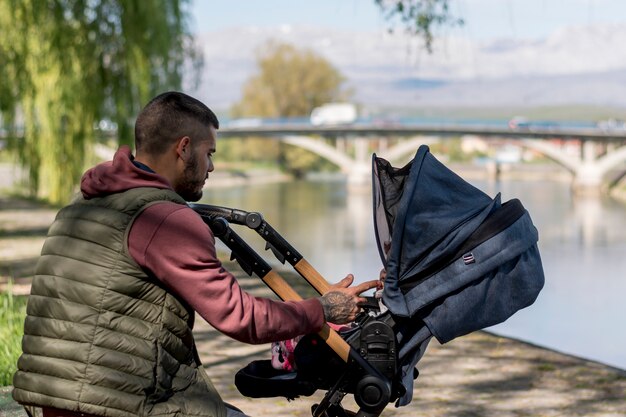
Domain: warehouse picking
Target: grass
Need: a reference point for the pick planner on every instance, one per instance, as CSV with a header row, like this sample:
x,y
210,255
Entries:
x,y
12,314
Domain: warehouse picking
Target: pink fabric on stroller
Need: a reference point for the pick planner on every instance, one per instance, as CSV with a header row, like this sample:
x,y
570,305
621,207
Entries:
x,y
283,357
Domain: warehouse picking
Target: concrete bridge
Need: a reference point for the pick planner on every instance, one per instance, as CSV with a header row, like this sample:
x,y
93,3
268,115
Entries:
x,y
598,151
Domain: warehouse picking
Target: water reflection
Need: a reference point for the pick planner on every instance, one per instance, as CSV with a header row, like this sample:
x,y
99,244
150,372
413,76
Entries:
x,y
330,227
582,244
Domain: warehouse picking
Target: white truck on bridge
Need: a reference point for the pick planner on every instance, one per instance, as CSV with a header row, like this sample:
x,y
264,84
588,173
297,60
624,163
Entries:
x,y
334,114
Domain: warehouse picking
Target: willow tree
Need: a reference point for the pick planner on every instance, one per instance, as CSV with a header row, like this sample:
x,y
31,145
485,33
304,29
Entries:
x,y
70,64
289,82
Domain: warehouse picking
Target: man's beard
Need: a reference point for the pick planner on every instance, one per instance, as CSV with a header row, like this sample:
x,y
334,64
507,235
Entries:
x,y
190,187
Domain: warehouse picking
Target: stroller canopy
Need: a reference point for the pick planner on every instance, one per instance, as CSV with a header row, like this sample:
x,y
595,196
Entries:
x,y
437,233
456,260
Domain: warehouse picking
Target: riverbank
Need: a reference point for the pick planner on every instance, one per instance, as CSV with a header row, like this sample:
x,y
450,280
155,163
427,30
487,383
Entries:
x,y
476,375
479,375
229,176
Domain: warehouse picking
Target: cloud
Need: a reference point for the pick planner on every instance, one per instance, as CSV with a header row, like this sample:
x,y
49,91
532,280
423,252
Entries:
x,y
392,68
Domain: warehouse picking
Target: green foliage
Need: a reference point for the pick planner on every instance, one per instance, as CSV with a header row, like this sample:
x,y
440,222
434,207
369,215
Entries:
x,y
419,17
249,149
69,64
12,314
453,149
290,82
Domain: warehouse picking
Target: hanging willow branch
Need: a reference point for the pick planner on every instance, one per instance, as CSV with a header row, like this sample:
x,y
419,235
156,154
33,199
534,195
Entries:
x,y
418,17
71,64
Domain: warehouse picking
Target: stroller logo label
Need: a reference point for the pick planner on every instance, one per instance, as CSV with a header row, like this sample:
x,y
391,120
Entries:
x,y
468,258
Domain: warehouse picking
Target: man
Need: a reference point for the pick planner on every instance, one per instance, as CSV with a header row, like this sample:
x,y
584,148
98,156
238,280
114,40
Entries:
x,y
124,269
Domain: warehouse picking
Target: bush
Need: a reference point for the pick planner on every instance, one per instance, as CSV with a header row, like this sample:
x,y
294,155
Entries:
x,y
12,314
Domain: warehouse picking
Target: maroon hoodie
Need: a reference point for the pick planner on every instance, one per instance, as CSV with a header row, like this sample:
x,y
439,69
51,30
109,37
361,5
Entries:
x,y
171,242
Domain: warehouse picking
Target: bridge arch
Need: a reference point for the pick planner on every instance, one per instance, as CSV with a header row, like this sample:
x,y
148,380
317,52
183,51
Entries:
x,y
612,159
552,152
406,147
358,169
588,171
320,148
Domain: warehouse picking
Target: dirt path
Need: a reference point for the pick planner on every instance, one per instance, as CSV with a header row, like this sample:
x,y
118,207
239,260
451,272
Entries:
x,y
23,226
479,375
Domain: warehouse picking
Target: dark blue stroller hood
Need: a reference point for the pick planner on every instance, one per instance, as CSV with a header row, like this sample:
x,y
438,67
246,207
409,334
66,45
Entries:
x,y
457,260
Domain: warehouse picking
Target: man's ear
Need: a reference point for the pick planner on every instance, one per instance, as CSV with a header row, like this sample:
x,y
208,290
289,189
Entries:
x,y
183,148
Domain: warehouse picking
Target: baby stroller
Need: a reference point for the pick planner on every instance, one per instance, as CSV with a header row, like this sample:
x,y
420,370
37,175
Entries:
x,y
456,261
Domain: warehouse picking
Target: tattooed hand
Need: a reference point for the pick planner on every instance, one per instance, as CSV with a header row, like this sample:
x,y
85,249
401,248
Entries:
x,y
340,304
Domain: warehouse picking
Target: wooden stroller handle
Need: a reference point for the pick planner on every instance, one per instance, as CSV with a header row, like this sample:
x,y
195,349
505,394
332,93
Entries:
x,y
252,262
310,274
280,287
286,292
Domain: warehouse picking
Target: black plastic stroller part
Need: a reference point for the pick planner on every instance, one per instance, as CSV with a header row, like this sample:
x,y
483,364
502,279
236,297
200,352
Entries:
x,y
254,220
278,245
252,381
247,259
369,369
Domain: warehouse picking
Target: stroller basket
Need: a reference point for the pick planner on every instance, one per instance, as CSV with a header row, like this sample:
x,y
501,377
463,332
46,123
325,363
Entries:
x,y
456,261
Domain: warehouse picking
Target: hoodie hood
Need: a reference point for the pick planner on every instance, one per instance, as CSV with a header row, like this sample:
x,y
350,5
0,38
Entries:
x,y
118,175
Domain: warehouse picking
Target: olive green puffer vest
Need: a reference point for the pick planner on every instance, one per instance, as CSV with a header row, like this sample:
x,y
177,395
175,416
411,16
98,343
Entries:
x,y
102,337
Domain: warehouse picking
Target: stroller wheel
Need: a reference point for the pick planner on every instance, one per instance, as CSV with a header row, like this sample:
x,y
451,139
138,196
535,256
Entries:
x,y
372,393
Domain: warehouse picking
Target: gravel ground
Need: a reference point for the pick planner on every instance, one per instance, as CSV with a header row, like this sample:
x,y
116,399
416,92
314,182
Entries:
x,y
479,375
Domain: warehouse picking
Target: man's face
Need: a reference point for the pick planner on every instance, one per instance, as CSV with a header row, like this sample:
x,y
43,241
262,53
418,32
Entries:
x,y
197,167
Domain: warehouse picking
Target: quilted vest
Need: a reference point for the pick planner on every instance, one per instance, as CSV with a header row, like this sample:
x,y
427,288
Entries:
x,y
101,336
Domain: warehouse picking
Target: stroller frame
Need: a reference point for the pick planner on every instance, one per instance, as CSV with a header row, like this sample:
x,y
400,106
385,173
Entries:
x,y
368,351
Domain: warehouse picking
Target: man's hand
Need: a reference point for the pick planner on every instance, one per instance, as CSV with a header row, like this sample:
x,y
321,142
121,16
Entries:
x,y
340,304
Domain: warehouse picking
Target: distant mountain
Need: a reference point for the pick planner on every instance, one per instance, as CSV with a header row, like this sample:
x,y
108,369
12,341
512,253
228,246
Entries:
x,y
575,65
601,89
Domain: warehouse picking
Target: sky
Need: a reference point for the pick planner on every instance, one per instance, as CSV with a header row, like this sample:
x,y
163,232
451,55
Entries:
x,y
508,52
484,19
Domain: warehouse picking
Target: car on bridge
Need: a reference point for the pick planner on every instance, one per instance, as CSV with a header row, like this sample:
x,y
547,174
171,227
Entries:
x,y
611,125
519,122
522,123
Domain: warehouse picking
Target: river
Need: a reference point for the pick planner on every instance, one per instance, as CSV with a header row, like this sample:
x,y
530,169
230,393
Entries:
x,y
582,308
